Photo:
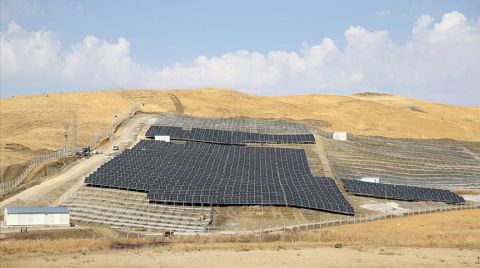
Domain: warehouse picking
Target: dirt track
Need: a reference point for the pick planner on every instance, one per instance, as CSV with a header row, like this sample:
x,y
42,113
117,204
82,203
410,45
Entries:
x,y
315,257
48,192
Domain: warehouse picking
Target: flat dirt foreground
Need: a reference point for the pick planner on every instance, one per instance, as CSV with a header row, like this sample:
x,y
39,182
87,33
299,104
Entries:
x,y
314,257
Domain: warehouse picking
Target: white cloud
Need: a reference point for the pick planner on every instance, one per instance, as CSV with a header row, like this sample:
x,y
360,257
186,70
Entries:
x,y
104,64
441,62
454,22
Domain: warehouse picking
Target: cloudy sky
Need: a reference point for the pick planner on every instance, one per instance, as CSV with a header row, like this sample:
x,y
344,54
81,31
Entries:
x,y
427,49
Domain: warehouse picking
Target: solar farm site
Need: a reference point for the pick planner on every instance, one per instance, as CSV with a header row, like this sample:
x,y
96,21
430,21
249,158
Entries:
x,y
429,163
215,173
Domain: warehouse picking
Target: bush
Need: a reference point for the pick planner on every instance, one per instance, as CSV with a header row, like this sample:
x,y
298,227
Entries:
x,y
338,245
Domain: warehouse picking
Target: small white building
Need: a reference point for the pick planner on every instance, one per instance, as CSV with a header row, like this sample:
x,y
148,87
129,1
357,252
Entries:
x,y
370,179
162,138
38,216
340,135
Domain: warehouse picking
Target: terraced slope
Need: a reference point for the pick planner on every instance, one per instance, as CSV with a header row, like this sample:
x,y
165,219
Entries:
x,y
433,163
126,209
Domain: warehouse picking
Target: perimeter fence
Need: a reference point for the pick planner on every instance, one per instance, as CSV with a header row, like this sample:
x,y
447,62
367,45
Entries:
x,y
346,220
9,185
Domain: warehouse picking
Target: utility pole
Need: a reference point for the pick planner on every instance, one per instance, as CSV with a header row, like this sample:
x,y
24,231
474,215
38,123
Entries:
x,y
65,136
74,135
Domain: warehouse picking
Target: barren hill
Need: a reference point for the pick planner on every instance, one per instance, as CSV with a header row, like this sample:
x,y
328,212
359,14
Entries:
x,y
34,124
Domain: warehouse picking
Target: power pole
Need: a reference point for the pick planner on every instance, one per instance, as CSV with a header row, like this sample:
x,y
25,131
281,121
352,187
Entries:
x,y
65,136
74,135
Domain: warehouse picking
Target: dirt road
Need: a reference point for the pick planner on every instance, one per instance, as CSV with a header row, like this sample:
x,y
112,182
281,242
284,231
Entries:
x,y
49,192
313,257
320,148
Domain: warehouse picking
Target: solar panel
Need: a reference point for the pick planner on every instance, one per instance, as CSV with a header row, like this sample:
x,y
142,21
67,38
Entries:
x,y
205,173
251,125
400,192
176,133
227,137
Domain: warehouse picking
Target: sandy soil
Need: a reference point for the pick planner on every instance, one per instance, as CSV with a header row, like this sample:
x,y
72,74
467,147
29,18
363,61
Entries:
x,y
314,257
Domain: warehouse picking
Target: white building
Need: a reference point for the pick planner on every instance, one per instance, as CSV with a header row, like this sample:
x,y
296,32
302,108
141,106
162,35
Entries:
x,y
340,135
162,138
370,179
39,216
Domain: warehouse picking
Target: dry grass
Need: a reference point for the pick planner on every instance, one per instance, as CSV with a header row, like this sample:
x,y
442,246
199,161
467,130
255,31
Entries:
x,y
433,230
372,115
34,124
257,217
451,229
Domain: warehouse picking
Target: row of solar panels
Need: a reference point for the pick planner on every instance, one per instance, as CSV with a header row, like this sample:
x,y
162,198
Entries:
x,y
400,192
227,137
268,126
205,173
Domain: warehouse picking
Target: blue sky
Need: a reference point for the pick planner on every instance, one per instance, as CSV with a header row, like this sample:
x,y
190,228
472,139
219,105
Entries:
x,y
165,40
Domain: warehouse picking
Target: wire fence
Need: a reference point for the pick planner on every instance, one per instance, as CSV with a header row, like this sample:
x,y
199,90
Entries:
x,y
6,186
378,216
350,220
111,128
9,185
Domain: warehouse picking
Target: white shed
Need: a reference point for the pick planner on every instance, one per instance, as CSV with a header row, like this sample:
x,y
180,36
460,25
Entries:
x,y
340,135
162,138
38,216
370,179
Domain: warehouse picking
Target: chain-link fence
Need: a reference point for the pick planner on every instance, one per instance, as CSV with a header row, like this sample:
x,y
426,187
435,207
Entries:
x,y
6,186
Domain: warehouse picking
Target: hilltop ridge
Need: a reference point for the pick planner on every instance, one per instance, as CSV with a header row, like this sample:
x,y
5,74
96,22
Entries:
x,y
34,124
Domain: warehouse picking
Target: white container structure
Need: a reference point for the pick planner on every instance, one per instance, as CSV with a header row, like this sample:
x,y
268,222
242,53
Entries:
x,y
340,135
38,216
162,138
370,179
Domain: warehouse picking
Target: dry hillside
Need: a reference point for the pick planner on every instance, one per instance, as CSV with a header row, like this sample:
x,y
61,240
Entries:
x,y
34,124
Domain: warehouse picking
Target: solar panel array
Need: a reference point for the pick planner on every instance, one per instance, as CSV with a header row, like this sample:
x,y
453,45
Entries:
x,y
400,192
265,126
204,173
425,163
227,137
174,132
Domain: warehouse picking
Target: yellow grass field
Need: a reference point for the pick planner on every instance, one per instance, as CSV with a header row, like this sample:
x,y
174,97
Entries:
x,y
31,125
418,241
457,229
